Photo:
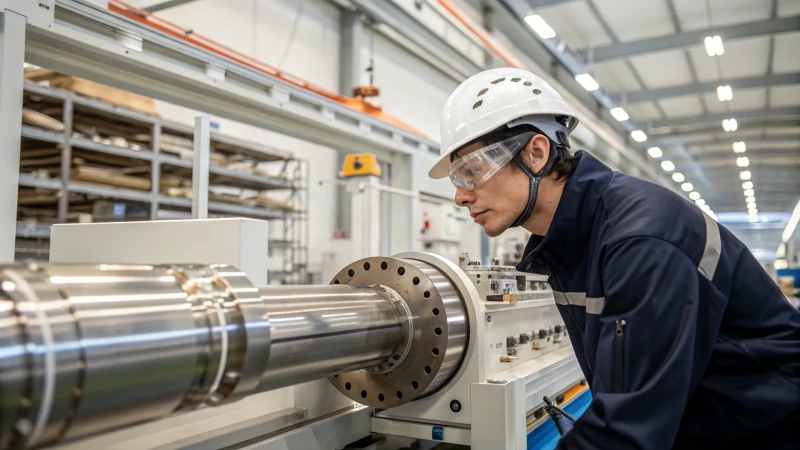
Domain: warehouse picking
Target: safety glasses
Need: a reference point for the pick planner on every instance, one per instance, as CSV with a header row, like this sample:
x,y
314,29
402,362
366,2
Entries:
x,y
472,170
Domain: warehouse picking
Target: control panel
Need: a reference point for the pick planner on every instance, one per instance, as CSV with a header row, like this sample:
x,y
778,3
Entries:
x,y
520,316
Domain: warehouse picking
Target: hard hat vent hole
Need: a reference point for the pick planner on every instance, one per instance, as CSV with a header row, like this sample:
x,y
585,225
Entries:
x,y
498,80
537,91
514,80
483,91
528,83
479,103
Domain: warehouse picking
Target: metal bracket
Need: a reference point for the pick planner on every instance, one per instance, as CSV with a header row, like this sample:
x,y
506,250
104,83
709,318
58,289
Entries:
x,y
39,13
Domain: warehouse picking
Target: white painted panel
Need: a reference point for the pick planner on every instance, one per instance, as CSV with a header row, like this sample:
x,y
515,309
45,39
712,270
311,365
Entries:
x,y
788,8
632,21
575,23
692,13
644,111
681,106
785,96
745,57
616,76
663,69
787,47
744,99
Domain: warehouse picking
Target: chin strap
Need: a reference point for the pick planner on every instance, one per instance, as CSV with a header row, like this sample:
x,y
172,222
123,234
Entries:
x,y
535,179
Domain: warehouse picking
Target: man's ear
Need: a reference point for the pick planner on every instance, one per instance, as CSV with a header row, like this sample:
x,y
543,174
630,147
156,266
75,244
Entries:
x,y
537,152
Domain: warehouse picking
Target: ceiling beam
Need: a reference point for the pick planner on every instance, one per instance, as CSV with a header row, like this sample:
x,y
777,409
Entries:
x,y
751,155
728,142
690,39
786,131
790,164
790,111
709,87
161,6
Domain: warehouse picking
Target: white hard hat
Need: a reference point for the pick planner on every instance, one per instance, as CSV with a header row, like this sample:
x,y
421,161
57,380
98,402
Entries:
x,y
491,99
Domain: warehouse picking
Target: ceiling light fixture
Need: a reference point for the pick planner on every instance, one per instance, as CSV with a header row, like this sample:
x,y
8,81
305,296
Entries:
x,y
747,185
751,206
714,45
700,202
687,187
541,27
638,135
678,177
750,199
694,195
654,152
749,193
739,147
667,166
745,175
725,93
792,224
587,82
619,114
743,161
730,125
705,208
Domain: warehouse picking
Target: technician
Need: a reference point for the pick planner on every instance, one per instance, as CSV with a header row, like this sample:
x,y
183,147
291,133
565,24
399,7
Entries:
x,y
684,339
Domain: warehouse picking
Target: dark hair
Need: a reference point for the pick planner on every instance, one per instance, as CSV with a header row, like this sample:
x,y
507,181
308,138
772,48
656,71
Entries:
x,y
564,163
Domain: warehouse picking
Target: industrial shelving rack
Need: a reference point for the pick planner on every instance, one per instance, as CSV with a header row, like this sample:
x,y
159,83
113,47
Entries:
x,y
289,215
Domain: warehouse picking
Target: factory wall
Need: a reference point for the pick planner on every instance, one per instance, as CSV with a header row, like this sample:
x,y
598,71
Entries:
x,y
303,38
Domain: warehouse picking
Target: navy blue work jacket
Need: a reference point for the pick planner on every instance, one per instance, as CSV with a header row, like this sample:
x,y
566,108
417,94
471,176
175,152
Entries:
x,y
685,340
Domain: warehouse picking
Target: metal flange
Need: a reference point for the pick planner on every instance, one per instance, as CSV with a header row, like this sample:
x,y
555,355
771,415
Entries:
x,y
436,342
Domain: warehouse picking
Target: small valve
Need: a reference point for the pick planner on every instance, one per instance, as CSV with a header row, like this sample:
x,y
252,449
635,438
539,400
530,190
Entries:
x,y
524,338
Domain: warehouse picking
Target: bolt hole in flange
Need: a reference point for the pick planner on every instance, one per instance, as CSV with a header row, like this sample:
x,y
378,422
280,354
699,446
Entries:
x,y
384,265
366,266
380,397
351,272
414,384
416,281
428,370
348,386
363,394
435,311
399,395
438,331
435,351
401,271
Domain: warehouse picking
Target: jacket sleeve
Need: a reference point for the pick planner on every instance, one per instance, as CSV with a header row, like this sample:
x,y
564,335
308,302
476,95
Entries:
x,y
648,349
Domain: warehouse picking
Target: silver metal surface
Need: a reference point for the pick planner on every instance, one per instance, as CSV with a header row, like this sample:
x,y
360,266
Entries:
x,y
88,349
320,331
440,332
91,348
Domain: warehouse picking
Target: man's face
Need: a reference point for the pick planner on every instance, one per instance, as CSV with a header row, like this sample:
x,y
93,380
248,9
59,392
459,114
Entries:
x,y
499,200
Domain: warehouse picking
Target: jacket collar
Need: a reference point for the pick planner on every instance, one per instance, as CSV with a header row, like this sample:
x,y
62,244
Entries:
x,y
565,242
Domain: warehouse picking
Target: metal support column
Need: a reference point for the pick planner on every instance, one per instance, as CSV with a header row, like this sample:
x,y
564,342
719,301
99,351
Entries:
x,y
66,160
12,60
350,51
202,153
155,170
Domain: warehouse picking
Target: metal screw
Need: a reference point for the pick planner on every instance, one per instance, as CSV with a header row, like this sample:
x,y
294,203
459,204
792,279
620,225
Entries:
x,y
488,318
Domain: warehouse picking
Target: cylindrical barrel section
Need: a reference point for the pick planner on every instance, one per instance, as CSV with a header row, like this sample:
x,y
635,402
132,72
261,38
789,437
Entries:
x,y
320,331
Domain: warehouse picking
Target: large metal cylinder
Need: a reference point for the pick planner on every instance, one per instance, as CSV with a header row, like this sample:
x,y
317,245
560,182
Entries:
x,y
86,349
320,331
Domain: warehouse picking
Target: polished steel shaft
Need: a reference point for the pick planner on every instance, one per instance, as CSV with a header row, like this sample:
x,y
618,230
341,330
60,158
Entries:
x,y
320,331
86,349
